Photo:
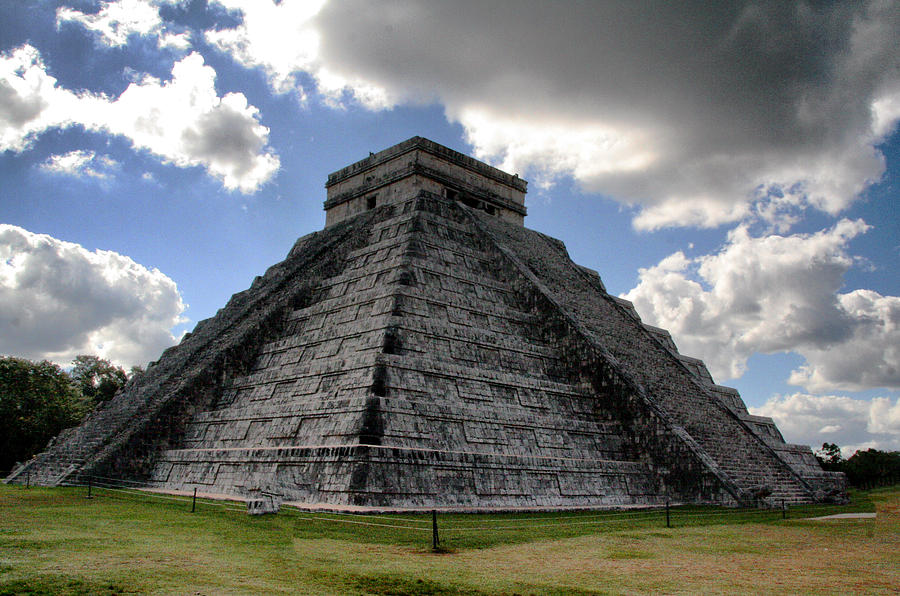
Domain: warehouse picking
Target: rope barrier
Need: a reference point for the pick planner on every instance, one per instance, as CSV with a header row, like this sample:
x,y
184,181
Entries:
x,y
528,526
361,523
147,489
118,480
616,514
136,490
724,512
380,515
537,516
366,515
646,513
320,517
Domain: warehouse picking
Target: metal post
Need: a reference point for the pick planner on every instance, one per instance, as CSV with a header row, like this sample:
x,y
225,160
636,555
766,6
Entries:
x,y
90,482
194,501
434,530
28,478
668,525
783,510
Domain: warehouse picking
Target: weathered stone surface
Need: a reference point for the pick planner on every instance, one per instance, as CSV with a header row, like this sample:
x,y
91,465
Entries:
x,y
395,174
423,353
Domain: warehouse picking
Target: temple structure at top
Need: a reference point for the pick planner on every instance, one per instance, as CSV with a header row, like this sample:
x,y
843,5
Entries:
x,y
390,176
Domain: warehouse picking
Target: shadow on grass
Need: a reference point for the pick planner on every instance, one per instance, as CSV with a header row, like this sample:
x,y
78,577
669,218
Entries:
x,y
399,585
53,585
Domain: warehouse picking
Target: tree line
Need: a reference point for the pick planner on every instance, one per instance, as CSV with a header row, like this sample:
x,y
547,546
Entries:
x,y
39,399
864,469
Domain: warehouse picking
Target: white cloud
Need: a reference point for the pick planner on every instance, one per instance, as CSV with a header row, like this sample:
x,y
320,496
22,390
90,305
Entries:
x,y
177,41
868,357
279,37
58,299
30,101
274,37
80,164
182,120
697,117
777,294
549,149
118,20
850,423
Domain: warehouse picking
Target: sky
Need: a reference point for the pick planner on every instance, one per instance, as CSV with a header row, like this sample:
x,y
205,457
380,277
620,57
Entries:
x,y
732,168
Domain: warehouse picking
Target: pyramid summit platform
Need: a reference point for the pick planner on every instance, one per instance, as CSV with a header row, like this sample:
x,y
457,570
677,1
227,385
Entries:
x,y
426,350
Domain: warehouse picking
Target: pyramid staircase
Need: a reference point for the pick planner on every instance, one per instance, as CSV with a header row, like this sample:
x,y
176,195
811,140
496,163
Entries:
x,y
120,438
742,460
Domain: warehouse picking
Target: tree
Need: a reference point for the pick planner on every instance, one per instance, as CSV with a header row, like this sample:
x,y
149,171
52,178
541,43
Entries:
x,y
830,457
37,401
872,467
97,378
864,469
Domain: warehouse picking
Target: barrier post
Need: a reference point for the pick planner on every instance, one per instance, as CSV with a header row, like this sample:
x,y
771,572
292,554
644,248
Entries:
x,y
194,501
668,525
783,510
28,478
434,530
90,482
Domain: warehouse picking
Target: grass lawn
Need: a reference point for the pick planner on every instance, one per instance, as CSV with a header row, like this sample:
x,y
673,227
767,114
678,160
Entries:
x,y
54,541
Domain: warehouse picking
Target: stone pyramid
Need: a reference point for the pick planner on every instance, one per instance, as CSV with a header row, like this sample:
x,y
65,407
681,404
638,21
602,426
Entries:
x,y
427,350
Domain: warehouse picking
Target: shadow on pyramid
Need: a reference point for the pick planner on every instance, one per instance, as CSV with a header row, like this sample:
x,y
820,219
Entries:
x,y
426,350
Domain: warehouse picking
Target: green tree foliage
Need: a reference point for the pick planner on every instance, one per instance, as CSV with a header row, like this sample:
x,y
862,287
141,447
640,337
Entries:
x,y
830,457
37,401
869,468
864,469
97,378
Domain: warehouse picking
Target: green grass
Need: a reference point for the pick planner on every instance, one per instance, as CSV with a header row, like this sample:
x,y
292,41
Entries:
x,y
54,541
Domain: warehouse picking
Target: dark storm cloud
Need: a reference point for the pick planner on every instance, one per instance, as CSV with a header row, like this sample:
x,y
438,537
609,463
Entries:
x,y
726,99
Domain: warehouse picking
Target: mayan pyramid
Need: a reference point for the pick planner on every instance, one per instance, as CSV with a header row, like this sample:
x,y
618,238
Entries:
x,y
427,350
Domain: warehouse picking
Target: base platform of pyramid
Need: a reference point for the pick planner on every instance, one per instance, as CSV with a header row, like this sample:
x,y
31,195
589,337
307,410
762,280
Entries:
x,y
425,350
